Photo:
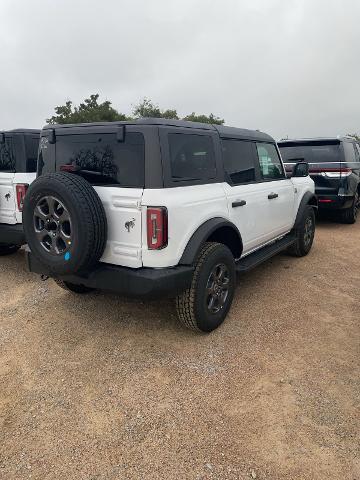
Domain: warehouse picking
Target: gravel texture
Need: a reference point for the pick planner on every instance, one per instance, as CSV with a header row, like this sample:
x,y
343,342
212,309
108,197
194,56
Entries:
x,y
102,387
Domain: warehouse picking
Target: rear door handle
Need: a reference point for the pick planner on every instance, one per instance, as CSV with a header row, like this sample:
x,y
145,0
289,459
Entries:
x,y
272,195
238,203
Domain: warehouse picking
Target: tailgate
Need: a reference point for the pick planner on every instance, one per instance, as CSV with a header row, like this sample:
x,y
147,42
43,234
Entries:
x,y
123,212
7,198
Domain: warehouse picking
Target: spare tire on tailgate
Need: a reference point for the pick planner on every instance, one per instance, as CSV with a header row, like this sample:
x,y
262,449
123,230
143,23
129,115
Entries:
x,y
64,223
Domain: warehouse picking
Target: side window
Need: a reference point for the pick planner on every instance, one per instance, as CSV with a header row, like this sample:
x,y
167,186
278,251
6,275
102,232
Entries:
x,y
32,145
270,165
238,161
349,149
192,157
7,157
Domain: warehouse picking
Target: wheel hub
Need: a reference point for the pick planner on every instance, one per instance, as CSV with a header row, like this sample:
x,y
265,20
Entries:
x,y
217,288
52,224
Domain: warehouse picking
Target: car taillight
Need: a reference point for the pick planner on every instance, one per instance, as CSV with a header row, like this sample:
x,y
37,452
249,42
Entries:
x,y
21,189
157,227
331,172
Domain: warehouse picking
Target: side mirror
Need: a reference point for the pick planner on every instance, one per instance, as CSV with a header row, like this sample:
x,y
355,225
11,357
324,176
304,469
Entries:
x,y
301,169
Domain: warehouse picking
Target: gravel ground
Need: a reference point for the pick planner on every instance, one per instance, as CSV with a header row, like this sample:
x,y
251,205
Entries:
x,y
102,387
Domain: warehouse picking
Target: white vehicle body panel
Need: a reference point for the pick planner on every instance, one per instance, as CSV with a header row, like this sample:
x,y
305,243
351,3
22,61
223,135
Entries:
x,y
122,205
188,208
9,212
259,222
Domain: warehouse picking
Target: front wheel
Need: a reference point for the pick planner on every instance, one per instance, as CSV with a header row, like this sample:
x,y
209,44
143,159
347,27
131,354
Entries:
x,y
305,233
8,249
204,306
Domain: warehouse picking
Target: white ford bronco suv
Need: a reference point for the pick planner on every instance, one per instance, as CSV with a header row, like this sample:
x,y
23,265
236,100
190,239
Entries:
x,y
163,207
18,157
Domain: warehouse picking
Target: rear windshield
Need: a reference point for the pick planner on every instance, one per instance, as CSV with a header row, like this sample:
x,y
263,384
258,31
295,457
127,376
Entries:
x,y
7,157
102,159
312,152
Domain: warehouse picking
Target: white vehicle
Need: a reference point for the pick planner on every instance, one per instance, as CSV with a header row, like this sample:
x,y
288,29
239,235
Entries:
x,y
18,156
164,207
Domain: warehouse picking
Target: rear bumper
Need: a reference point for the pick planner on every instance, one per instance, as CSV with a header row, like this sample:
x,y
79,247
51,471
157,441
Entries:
x,y
334,202
140,282
12,234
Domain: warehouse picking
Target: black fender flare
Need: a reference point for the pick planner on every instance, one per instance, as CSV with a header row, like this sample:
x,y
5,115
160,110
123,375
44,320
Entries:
x,y
201,235
309,199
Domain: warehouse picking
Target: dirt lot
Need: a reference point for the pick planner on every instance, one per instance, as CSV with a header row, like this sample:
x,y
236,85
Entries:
x,y
102,387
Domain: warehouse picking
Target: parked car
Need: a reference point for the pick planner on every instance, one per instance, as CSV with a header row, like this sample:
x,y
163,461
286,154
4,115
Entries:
x,y
18,157
335,168
163,207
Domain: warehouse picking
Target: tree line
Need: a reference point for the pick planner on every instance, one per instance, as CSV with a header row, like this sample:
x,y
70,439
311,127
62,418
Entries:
x,y
91,110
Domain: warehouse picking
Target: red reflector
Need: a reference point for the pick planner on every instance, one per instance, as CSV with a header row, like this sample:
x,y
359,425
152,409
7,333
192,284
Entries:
x,y
21,189
331,170
157,227
69,168
324,200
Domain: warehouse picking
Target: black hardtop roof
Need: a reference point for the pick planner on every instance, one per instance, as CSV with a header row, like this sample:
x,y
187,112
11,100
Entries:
x,y
22,131
224,131
304,141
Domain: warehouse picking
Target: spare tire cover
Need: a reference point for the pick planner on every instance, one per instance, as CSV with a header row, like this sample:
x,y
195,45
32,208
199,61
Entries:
x,y
64,223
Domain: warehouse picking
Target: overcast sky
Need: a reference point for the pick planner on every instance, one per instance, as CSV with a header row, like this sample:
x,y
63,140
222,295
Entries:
x,y
287,67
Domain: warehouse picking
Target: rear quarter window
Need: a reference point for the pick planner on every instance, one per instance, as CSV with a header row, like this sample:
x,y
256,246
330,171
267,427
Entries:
x,y
101,159
7,156
192,157
31,147
350,152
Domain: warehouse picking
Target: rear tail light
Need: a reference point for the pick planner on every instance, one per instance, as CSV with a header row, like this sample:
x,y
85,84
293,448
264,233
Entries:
x,y
69,168
331,172
21,189
157,227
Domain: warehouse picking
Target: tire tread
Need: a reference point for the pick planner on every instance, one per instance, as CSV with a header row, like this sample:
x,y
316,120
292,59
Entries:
x,y
185,302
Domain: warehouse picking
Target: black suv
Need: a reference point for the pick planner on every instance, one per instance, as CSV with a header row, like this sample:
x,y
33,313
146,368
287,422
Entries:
x,y
334,165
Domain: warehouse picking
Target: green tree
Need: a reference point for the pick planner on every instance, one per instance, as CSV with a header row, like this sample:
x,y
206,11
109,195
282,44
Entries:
x,y
354,135
147,109
193,117
88,111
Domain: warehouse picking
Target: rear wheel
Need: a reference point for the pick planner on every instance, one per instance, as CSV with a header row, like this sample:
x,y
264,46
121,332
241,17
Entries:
x,y
350,214
73,287
8,249
305,233
204,306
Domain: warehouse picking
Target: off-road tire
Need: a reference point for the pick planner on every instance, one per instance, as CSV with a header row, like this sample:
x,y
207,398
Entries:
x,y
8,249
88,222
301,247
72,287
349,215
191,304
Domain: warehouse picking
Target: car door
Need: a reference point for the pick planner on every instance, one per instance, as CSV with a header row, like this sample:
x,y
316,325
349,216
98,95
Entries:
x,y
7,173
277,191
245,194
